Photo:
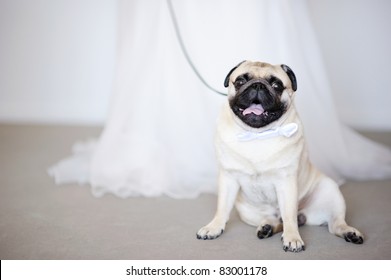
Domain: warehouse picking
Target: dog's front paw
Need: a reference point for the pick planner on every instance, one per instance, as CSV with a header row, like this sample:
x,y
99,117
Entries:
x,y
210,232
292,244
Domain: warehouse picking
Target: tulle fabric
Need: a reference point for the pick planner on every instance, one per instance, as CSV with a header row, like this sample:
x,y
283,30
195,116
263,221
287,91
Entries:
x,y
158,138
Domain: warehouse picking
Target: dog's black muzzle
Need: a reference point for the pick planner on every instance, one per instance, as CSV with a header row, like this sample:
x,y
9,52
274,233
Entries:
x,y
259,92
256,84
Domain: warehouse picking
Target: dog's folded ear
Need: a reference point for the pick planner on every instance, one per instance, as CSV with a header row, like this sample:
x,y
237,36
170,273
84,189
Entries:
x,y
226,81
291,76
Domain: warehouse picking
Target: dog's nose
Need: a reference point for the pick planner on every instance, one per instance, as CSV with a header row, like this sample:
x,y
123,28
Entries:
x,y
256,92
258,86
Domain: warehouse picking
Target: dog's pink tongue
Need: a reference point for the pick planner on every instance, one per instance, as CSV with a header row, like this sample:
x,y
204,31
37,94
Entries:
x,y
256,109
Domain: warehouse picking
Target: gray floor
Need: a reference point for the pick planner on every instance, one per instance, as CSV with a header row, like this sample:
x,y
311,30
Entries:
x,y
39,220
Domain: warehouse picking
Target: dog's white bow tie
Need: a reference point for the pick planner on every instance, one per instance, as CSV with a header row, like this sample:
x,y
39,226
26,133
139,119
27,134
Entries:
x,y
287,130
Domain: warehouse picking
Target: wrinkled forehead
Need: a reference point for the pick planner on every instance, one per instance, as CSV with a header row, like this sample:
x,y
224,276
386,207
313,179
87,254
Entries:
x,y
261,70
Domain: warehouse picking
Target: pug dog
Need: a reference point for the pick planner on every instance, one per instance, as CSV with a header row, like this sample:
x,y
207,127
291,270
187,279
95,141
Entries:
x,y
264,169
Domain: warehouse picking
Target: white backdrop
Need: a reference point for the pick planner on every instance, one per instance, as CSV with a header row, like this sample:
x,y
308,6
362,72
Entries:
x,y
57,59
355,39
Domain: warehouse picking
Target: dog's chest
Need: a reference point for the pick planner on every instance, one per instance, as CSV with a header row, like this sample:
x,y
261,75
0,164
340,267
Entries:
x,y
256,158
258,188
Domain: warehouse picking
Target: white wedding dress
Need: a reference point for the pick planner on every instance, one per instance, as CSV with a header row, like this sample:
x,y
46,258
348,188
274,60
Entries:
x,y
158,138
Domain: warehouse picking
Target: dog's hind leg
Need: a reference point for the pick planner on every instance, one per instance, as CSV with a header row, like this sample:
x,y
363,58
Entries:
x,y
269,227
266,218
337,224
272,225
327,206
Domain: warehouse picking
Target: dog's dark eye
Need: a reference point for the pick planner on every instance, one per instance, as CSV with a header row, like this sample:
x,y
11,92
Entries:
x,y
277,85
240,81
